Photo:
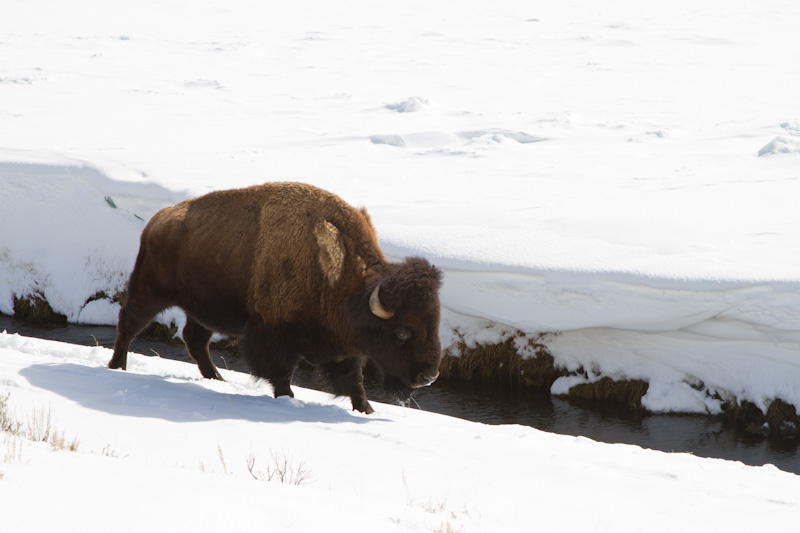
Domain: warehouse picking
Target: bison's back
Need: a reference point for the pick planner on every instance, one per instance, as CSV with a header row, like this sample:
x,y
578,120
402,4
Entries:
x,y
279,250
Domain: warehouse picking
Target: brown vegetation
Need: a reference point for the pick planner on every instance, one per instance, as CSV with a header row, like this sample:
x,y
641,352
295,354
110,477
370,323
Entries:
x,y
35,309
501,363
627,392
781,418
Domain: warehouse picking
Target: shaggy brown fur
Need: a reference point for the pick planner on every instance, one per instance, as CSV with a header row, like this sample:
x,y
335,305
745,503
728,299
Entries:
x,y
289,268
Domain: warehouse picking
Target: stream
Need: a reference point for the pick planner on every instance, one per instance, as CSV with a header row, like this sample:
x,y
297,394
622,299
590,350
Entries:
x,y
701,435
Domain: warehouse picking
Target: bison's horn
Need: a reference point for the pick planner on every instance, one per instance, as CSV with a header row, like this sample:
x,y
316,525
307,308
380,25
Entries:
x,y
376,307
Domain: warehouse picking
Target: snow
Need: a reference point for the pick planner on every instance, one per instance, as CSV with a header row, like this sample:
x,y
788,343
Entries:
x,y
161,448
623,176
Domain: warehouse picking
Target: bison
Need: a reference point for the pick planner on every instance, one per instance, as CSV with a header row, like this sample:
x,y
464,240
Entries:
x,y
294,272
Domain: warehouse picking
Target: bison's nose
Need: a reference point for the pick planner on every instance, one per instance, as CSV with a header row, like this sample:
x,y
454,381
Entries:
x,y
426,380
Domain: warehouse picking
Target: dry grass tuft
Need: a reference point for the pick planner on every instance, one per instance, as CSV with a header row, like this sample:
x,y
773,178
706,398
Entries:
x,y
34,308
445,528
59,441
37,428
520,361
40,425
502,363
157,331
780,420
117,297
628,393
226,345
8,423
282,469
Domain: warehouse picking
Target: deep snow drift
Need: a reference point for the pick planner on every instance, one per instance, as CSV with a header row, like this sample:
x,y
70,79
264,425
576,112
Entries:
x,y
159,448
625,175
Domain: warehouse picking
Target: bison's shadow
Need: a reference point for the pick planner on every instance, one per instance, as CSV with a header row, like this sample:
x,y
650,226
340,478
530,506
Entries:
x,y
175,399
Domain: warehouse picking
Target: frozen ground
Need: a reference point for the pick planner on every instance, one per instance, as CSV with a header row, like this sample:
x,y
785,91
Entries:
x,y
624,174
161,449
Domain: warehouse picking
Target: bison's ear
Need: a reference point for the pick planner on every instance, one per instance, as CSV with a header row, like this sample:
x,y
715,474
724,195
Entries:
x,y
331,251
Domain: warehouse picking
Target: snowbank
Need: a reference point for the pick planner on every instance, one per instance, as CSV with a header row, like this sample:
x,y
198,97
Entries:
x,y
156,444
69,232
697,342
623,176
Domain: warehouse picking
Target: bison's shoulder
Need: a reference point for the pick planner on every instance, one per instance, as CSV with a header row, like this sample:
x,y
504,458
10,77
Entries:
x,y
331,251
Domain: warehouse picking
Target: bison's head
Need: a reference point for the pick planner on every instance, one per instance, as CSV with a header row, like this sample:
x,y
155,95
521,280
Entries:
x,y
397,319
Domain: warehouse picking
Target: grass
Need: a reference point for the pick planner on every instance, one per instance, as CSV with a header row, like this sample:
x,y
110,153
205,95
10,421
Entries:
x,y
117,297
8,423
780,420
518,361
222,459
35,308
37,427
108,451
59,441
627,392
161,332
282,469
524,362
432,506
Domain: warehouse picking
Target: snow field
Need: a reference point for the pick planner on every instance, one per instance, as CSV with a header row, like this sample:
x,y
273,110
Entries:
x,y
161,448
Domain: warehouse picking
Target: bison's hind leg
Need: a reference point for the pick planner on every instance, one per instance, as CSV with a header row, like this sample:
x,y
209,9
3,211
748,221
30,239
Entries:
x,y
196,337
133,318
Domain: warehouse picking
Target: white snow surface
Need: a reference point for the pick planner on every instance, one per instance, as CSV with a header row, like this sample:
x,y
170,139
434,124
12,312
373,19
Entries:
x,y
161,449
623,175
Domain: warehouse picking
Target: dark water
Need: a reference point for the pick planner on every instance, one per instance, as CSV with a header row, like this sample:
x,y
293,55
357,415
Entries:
x,y
705,436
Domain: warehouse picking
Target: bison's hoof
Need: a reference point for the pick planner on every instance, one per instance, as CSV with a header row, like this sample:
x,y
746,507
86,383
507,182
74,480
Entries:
x,y
114,365
214,375
282,390
365,407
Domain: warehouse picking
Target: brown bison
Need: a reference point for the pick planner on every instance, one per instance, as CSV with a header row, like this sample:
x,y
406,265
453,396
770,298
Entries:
x,y
293,271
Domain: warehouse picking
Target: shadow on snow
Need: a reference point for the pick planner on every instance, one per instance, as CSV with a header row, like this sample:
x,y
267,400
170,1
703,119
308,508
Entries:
x,y
176,399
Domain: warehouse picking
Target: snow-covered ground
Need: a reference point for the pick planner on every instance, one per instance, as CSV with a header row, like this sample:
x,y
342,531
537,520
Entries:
x,y
625,173
161,449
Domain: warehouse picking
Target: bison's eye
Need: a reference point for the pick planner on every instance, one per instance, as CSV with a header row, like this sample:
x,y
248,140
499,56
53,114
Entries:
x,y
402,335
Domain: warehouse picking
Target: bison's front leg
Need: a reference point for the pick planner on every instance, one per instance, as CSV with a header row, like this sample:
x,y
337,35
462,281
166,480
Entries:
x,y
347,379
271,354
